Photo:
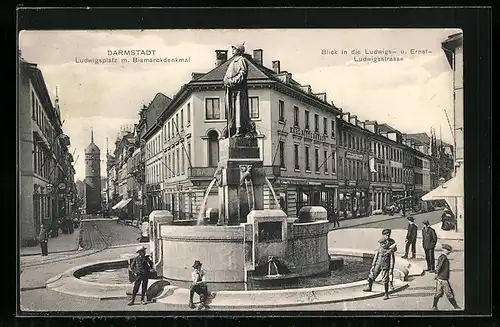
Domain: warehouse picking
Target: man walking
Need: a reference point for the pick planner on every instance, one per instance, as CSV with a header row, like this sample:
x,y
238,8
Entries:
x,y
381,265
43,238
198,286
141,266
335,218
429,240
386,233
442,279
411,238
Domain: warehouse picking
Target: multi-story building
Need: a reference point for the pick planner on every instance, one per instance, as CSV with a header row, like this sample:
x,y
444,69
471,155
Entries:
x,y
151,135
453,49
396,158
295,136
47,186
353,167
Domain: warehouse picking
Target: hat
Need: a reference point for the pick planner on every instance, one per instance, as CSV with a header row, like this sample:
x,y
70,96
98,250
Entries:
x,y
425,222
196,264
239,47
446,247
410,218
382,240
140,248
386,231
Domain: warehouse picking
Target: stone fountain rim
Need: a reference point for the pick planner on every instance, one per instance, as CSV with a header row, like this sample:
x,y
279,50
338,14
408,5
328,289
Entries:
x,y
69,277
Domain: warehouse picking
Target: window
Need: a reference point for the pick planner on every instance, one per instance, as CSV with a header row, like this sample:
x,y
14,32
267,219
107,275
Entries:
x,y
281,110
189,151
333,128
183,166
296,116
212,108
188,114
169,161
325,126
308,167
316,160
325,155
33,106
349,141
213,148
333,162
296,156
306,118
282,153
316,123
182,119
177,162
177,123
253,106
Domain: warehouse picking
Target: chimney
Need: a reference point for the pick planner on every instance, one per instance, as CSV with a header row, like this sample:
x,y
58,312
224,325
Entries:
x,y
258,56
276,66
195,76
220,57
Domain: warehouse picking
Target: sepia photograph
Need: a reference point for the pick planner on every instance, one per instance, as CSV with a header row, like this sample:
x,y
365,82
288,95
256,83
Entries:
x,y
241,170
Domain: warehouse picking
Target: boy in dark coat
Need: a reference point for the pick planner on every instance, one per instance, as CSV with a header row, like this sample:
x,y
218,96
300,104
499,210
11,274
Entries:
x,y
141,266
381,265
198,286
411,238
443,279
386,233
429,240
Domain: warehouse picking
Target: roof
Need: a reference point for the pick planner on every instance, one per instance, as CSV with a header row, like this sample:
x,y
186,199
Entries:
x,y
443,143
38,82
92,148
255,71
384,128
159,103
422,138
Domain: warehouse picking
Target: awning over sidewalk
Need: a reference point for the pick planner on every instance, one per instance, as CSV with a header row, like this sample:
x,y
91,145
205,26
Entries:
x,y
453,188
121,204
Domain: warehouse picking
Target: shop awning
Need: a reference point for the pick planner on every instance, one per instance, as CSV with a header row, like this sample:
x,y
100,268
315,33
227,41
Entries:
x,y
121,204
453,188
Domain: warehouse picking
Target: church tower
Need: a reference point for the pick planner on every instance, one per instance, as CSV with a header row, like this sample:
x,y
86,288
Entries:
x,y
92,177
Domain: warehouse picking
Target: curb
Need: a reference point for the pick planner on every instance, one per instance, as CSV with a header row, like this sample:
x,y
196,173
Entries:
x,y
55,252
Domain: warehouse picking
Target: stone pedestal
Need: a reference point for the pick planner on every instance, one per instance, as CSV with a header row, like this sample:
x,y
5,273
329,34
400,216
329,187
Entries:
x,y
241,188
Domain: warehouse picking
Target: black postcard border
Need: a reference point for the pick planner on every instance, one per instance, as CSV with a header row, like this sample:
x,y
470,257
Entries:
x,y
476,26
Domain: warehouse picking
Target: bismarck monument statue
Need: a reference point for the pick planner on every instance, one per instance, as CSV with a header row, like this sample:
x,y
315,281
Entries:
x,y
240,175
239,123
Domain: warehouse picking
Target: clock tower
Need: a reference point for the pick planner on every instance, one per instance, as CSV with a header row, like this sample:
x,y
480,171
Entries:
x,y
92,177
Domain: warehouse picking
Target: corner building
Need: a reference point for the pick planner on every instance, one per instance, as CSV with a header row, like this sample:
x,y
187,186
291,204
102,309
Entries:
x,y
296,135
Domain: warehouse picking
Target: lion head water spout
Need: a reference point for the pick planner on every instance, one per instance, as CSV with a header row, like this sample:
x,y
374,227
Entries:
x,y
272,267
201,213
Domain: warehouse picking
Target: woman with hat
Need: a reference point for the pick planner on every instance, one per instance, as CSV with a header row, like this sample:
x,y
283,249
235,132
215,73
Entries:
x,y
141,267
198,285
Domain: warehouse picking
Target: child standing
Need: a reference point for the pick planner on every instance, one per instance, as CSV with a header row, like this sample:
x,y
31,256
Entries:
x,y
442,279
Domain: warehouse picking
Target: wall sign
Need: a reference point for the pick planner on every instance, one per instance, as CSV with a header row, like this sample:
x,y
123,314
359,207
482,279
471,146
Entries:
x,y
355,156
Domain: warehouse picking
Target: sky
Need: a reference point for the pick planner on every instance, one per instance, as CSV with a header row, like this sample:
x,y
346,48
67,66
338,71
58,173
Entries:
x,y
411,95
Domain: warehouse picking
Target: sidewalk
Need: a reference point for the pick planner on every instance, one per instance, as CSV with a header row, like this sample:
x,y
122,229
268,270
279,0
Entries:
x,y
59,244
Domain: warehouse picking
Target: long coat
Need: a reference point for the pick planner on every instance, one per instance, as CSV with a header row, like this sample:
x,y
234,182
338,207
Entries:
x,y
411,235
43,236
236,96
429,238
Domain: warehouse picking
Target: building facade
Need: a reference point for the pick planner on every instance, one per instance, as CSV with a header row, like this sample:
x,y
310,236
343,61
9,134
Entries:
x,y
47,187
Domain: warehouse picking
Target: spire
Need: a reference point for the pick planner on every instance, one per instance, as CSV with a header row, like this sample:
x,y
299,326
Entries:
x,y
91,135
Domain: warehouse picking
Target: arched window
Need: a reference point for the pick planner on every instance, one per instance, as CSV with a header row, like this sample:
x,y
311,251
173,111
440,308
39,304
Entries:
x,y
213,148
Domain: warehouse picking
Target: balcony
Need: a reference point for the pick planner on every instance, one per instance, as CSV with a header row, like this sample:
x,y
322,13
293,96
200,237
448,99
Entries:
x,y
207,173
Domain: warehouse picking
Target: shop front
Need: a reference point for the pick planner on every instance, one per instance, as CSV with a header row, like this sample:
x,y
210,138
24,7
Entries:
x,y
354,199
295,194
154,198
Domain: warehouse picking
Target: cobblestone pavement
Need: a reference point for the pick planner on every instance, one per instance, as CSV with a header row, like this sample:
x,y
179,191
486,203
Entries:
x,y
62,243
386,221
418,296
